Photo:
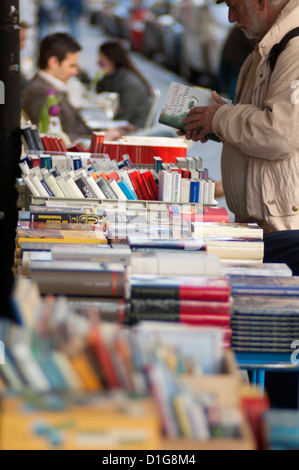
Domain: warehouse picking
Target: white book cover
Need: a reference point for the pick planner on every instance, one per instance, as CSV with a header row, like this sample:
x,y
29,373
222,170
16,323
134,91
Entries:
x,y
176,187
31,186
202,185
185,189
117,190
39,187
230,229
165,185
94,187
189,263
180,99
124,174
73,187
211,192
52,184
63,186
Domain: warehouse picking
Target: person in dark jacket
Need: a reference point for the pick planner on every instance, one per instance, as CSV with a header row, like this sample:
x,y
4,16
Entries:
x,y
122,77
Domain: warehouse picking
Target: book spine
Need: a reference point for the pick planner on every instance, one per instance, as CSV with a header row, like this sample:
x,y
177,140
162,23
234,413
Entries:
x,y
150,185
46,187
73,187
179,293
194,191
51,182
38,185
31,186
203,320
176,187
84,187
95,188
117,190
28,135
127,190
37,138
136,184
64,187
180,306
106,188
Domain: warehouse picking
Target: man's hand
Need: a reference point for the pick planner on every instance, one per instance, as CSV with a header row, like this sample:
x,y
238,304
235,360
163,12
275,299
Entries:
x,y
198,123
117,132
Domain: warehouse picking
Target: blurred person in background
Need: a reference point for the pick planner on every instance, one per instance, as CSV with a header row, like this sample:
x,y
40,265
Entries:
x,y
236,49
24,26
57,63
71,10
121,76
45,14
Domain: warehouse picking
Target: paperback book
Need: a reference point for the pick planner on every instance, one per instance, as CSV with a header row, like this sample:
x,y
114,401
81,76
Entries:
x,y
180,99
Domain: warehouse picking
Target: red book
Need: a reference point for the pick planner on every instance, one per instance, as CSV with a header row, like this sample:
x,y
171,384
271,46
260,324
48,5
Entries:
x,y
47,143
150,184
56,144
62,145
112,175
202,288
76,148
35,162
103,356
139,185
186,173
96,145
215,214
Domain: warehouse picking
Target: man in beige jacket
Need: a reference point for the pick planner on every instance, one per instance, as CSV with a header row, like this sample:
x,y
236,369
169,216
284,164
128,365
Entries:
x,y
260,135
260,132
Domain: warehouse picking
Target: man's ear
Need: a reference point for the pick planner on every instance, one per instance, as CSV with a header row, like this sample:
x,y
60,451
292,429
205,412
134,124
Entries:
x,y
52,63
263,5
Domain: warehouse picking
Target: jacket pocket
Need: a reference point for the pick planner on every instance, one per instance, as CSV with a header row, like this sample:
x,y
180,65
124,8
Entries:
x,y
280,186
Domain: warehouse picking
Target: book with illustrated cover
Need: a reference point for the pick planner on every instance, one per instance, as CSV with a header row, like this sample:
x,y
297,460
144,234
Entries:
x,y
180,99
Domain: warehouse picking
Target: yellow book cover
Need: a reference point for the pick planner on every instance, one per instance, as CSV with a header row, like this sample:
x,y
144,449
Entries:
x,y
61,236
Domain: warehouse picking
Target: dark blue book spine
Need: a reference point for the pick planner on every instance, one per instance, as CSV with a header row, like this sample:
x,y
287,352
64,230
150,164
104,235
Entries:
x,y
194,191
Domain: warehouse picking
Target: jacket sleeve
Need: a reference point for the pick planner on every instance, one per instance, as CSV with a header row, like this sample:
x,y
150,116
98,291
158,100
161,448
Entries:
x,y
269,132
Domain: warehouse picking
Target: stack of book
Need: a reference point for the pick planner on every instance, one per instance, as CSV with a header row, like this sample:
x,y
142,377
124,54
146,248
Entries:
x,y
232,242
179,298
142,149
265,313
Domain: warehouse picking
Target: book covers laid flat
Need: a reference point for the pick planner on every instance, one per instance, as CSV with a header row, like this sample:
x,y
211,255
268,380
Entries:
x,y
180,99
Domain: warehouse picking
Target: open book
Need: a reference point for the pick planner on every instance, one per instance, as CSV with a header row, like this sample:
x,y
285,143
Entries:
x,y
180,99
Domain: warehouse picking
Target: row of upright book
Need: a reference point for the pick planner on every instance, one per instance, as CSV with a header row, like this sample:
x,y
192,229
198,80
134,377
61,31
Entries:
x,y
75,176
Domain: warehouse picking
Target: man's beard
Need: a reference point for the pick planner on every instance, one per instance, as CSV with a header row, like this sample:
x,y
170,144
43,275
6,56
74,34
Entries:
x,y
256,30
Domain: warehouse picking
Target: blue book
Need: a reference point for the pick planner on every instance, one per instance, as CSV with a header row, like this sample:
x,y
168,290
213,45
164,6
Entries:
x,y
47,188
126,190
194,191
77,163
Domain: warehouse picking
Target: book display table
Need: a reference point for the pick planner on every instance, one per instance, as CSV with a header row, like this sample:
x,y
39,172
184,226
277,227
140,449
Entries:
x,y
260,363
